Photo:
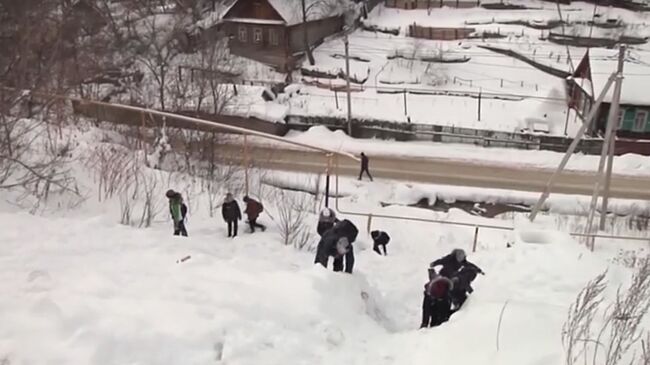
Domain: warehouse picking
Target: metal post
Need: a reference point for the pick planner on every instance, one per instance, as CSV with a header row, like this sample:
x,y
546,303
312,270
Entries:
x,y
480,91
406,110
566,122
369,227
347,82
571,149
245,164
475,239
327,180
613,119
336,98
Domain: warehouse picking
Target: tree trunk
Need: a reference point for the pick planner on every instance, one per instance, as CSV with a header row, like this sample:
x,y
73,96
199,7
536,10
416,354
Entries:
x,y
310,56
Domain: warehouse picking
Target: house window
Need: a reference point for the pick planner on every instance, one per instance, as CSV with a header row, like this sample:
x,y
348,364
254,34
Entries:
x,y
273,37
621,117
243,34
640,120
257,35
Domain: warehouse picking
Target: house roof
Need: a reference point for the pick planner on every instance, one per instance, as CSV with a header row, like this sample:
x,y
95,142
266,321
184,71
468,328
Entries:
x,y
291,10
636,76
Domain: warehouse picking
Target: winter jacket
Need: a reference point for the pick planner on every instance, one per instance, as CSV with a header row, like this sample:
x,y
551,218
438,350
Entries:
x,y
364,162
230,211
380,237
327,244
439,288
464,277
450,265
253,209
175,208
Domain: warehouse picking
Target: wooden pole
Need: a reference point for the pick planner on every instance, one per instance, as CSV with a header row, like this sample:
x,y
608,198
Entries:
x,y
571,149
612,119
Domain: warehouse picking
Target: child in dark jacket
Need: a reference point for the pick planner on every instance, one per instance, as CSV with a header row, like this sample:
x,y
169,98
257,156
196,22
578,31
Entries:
x,y
231,214
380,239
436,305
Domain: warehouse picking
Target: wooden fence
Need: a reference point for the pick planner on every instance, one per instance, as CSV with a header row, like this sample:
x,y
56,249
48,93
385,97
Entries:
x,y
437,33
430,4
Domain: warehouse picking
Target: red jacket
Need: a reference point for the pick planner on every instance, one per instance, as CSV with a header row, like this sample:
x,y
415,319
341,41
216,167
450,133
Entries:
x,y
253,209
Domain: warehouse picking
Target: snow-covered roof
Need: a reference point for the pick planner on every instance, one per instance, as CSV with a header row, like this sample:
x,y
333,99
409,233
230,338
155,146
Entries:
x,y
291,10
636,75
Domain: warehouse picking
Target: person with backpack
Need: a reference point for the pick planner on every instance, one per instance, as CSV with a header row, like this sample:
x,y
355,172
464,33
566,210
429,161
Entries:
x,y
380,239
178,211
337,243
253,211
453,262
436,305
231,214
326,220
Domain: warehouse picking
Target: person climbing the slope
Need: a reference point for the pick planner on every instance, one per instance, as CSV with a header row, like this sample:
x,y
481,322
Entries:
x,y
380,239
453,262
436,305
462,281
337,243
253,211
178,211
326,220
231,214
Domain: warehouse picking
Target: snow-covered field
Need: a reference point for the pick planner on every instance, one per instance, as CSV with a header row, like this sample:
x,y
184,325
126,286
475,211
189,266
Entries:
x,y
79,288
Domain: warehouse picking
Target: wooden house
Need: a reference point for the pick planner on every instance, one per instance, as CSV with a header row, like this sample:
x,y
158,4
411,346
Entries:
x,y
273,31
589,80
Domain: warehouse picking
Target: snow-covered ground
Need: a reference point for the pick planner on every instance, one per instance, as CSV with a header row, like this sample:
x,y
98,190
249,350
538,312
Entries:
x,y
79,288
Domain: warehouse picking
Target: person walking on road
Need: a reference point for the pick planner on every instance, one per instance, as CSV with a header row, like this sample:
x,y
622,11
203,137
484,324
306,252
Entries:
x,y
253,210
231,214
364,166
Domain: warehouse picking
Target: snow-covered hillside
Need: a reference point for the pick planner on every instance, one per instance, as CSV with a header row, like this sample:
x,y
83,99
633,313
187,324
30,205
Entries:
x,y
79,288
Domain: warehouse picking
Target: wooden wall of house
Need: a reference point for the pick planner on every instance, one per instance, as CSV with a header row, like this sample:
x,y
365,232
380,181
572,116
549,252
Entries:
x,y
317,30
635,120
258,36
253,9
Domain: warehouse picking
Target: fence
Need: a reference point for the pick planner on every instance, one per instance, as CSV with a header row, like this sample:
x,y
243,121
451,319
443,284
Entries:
x,y
437,33
429,4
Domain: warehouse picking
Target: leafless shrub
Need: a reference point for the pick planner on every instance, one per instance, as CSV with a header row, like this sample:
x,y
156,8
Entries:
x,y
115,169
577,328
292,212
620,329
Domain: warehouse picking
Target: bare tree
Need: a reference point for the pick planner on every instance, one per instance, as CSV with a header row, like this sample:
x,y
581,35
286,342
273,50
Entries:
x,y
292,213
312,10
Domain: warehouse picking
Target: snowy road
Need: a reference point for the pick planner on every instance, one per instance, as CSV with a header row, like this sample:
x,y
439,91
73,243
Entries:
x,y
448,172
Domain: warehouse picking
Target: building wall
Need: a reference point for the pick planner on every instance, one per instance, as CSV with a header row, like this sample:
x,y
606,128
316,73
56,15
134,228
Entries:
x,y
437,33
317,30
262,42
634,121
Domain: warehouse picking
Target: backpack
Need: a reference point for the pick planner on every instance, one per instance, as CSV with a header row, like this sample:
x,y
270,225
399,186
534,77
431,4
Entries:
x,y
183,210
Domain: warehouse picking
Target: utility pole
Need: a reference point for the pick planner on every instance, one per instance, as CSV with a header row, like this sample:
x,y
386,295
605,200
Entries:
x,y
347,82
600,177
612,119
571,149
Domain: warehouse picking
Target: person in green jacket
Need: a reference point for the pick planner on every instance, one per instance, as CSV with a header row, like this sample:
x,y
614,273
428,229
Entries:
x,y
178,210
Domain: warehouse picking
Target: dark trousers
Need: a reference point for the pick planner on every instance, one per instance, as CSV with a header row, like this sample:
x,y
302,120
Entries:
x,y
232,228
434,311
253,224
376,246
365,169
179,229
349,261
